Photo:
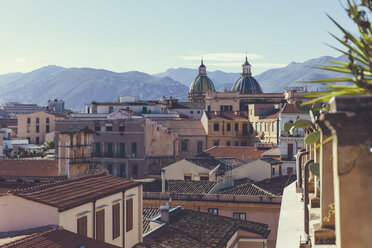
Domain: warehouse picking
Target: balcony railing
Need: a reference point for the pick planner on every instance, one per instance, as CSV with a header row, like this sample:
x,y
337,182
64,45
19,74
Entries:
x,y
108,155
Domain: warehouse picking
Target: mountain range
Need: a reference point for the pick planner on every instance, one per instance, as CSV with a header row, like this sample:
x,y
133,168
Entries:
x,y
79,85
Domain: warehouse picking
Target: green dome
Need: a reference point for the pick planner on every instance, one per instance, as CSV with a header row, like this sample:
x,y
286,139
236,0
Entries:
x,y
201,84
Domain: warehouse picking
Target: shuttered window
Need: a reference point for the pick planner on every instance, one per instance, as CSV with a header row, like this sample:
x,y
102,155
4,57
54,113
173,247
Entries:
x,y
100,225
115,221
129,214
82,226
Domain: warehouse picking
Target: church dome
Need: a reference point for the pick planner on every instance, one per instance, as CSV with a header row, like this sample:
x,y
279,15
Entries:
x,y
202,83
247,84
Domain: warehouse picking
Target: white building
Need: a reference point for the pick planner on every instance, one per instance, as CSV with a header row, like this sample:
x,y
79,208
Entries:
x,y
290,144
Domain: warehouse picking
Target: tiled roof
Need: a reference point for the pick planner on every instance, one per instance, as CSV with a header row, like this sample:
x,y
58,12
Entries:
x,y
184,127
246,189
75,192
190,228
290,108
277,184
272,160
226,115
180,186
148,213
6,187
240,152
211,163
57,239
188,105
73,130
28,167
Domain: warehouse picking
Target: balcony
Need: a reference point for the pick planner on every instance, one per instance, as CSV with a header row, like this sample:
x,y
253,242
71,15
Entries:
x,y
288,158
108,155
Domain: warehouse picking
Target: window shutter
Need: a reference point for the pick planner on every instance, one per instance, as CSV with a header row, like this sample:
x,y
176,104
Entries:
x,y
115,221
129,214
100,225
82,226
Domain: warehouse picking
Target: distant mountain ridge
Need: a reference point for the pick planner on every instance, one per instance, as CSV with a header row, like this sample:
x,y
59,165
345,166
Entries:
x,y
80,85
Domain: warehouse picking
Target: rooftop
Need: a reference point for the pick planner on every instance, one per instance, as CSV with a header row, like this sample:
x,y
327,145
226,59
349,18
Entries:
x,y
211,163
273,116
180,186
277,184
289,108
240,152
188,105
70,193
246,189
226,115
28,167
53,237
73,130
148,213
184,127
190,228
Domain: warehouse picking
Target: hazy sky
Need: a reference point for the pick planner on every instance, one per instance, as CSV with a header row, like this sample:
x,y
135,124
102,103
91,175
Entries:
x,y
154,35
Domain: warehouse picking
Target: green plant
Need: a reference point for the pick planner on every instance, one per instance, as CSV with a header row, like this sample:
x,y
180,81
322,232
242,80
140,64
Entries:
x,y
331,212
358,48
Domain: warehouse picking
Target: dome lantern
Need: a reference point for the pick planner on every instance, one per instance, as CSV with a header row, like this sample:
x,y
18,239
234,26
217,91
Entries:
x,y
247,84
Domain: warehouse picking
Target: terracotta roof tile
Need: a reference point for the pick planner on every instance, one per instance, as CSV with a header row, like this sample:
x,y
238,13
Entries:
x,y
180,186
190,228
277,184
74,192
28,167
290,108
240,152
246,189
58,239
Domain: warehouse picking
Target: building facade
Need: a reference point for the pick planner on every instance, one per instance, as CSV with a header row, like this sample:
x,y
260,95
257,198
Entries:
x,y
36,125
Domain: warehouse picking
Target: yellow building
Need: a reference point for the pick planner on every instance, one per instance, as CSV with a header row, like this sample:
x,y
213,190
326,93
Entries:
x,y
35,126
265,122
227,128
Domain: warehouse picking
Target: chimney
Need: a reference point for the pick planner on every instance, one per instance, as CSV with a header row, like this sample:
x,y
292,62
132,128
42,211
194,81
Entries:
x,y
164,214
162,180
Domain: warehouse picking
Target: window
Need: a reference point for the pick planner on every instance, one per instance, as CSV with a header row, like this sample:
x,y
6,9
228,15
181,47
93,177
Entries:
x,y
135,169
28,128
216,127
109,148
256,126
37,140
198,111
230,107
144,110
129,213
28,120
37,120
82,226
121,128
204,177
47,130
273,171
280,170
108,128
191,112
122,149
29,140
115,221
213,211
228,127
184,145
251,112
187,177
123,172
111,109
97,128
47,120
244,143
216,142
272,126
200,146
241,216
226,108
38,129
228,143
236,143
134,147
265,126
236,127
109,168
98,148
209,108
221,108
100,225
260,126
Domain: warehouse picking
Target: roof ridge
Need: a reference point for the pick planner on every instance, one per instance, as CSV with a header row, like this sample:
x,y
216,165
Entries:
x,y
60,182
266,191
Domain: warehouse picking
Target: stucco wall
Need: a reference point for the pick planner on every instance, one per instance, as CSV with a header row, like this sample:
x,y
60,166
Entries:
x,y
17,213
177,170
256,170
68,219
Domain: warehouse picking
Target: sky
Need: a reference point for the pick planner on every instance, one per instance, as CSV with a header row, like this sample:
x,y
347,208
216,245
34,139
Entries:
x,y
152,36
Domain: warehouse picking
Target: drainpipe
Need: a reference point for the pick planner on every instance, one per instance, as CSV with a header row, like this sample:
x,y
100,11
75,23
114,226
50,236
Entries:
x,y
306,194
94,219
123,218
300,154
162,180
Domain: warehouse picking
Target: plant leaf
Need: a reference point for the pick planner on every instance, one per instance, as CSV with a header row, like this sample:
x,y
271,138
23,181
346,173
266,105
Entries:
x,y
303,124
314,168
312,138
288,126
